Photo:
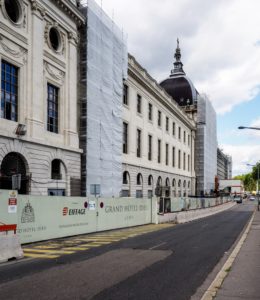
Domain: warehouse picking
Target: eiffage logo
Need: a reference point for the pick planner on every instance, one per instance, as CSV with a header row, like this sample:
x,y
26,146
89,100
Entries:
x,y
65,211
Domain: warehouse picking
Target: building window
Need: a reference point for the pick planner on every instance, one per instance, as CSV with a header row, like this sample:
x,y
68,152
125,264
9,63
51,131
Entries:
x,y
125,95
159,152
167,124
179,159
125,137
138,143
150,139
173,128
179,134
184,137
139,104
53,116
56,169
139,179
167,154
126,177
184,161
173,156
188,140
159,118
9,91
13,10
55,39
150,111
150,180
188,162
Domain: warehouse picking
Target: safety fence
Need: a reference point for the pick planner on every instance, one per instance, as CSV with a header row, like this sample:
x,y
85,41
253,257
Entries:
x,y
170,205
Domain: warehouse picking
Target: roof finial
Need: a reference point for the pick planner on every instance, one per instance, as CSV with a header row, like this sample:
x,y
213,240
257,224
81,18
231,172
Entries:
x,y
177,64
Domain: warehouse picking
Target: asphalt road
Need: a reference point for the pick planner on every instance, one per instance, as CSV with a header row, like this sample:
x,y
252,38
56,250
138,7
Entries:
x,y
168,264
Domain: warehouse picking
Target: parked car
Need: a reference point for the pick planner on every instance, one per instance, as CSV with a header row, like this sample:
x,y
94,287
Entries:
x,y
238,199
252,198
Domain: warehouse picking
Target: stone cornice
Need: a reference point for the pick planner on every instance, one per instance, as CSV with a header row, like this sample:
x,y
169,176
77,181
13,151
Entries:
x,y
71,10
145,79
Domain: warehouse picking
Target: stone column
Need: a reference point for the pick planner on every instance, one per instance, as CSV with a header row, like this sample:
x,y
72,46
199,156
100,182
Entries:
x,y
71,132
35,78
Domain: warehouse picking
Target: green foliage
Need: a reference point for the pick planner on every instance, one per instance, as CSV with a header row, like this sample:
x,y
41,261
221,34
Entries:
x,y
249,180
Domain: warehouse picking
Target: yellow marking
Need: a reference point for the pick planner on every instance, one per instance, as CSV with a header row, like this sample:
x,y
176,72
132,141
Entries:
x,y
98,239
76,248
92,245
47,251
46,247
40,255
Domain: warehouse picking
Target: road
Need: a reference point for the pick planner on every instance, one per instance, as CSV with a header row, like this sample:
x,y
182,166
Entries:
x,y
170,263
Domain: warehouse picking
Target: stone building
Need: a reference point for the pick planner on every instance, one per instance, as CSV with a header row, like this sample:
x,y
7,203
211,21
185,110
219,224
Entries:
x,y
200,109
39,140
158,138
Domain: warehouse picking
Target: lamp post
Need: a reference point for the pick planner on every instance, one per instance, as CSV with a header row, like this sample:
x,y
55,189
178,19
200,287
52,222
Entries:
x,y
244,127
254,128
257,190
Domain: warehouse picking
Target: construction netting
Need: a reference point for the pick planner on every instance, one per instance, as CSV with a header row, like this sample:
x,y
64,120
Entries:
x,y
206,146
105,68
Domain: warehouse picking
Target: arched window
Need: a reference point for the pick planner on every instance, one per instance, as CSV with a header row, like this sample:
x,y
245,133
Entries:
x,y
188,184
167,182
126,177
184,183
179,183
56,169
139,179
173,182
150,180
159,181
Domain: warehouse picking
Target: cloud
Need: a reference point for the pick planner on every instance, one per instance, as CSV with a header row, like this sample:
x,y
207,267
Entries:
x,y
241,156
219,41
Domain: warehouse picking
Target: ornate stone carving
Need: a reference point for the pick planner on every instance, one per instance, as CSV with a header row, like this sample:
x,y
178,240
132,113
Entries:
x,y
36,7
17,53
54,73
73,38
55,25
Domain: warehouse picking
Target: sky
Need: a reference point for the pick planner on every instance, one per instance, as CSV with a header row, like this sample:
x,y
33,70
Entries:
x,y
220,46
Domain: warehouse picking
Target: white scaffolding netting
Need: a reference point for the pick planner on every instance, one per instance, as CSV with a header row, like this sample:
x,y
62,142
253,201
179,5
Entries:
x,y
206,146
106,66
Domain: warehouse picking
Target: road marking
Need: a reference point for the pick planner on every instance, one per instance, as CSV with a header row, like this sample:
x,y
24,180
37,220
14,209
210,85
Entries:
x,y
40,255
76,248
46,247
92,245
47,251
156,246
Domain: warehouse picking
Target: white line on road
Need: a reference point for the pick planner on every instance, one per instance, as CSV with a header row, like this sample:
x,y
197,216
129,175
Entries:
x,y
156,246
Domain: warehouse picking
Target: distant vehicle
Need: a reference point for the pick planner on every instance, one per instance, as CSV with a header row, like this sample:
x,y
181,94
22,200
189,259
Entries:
x,y
252,198
238,199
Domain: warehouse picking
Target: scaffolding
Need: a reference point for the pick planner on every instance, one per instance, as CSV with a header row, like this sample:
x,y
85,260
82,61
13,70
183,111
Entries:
x,y
206,146
103,66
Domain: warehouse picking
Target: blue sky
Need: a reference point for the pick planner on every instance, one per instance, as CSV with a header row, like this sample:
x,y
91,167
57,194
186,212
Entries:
x,y
220,45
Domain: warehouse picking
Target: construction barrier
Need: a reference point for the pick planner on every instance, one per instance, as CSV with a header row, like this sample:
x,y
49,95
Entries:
x,y
10,246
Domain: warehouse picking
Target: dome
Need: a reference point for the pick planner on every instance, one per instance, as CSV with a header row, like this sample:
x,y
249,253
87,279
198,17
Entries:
x,y
178,85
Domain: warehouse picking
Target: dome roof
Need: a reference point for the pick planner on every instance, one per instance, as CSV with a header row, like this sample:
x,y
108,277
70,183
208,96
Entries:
x,y
178,85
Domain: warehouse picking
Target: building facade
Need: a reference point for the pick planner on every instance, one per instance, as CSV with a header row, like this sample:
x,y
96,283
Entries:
x,y
158,139
39,140
224,165
199,108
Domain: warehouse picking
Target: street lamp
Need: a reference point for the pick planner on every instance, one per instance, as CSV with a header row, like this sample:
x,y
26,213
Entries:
x,y
257,191
244,127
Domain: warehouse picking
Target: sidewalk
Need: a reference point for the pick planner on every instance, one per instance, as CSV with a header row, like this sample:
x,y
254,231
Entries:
x,y
243,280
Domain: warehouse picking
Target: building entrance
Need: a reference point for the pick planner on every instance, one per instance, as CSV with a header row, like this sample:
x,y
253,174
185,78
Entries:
x,y
14,164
